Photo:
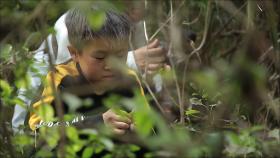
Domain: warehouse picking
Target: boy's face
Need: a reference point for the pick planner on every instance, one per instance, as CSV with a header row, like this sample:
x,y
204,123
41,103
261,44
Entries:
x,y
101,59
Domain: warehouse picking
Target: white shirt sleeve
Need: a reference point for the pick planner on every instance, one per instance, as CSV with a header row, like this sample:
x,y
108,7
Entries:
x,y
41,61
131,63
60,28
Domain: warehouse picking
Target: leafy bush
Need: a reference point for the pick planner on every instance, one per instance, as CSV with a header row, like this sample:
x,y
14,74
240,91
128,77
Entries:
x,y
225,87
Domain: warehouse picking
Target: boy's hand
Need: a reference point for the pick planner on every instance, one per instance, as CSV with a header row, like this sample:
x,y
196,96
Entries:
x,y
118,123
152,56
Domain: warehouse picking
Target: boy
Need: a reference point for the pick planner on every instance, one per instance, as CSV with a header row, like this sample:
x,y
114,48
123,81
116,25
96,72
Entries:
x,y
57,47
90,73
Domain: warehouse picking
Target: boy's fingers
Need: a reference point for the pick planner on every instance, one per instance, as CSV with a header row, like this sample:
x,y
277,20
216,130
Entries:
x,y
153,44
155,67
167,67
122,119
151,72
120,125
119,131
154,52
156,59
132,127
124,113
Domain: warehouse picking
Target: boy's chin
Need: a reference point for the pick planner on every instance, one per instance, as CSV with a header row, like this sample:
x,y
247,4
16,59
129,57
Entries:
x,y
110,84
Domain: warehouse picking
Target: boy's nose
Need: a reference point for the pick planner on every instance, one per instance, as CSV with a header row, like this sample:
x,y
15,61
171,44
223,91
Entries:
x,y
107,67
114,64
109,64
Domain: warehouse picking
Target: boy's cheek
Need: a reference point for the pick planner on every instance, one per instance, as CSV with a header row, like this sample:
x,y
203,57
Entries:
x,y
93,73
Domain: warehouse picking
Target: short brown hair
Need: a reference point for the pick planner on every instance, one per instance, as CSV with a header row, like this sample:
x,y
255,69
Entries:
x,y
116,26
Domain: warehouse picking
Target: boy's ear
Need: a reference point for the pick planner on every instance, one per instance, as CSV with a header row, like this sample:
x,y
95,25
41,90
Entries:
x,y
74,53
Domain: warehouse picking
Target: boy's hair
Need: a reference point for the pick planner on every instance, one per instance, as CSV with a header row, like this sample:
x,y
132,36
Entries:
x,y
116,26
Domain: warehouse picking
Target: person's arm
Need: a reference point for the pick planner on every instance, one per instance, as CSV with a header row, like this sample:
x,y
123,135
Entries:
x,y
41,60
118,123
57,47
149,58
46,98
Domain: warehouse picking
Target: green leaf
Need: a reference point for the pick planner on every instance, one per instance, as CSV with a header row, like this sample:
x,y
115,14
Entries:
x,y
51,30
6,88
96,20
87,102
256,128
53,137
72,101
108,143
44,153
87,153
78,145
112,101
89,131
46,112
196,101
20,102
232,138
5,52
23,82
192,112
143,123
23,139
72,133
142,116
134,148
70,152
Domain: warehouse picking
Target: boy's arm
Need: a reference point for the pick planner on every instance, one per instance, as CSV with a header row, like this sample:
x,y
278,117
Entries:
x,y
118,124
150,58
109,118
40,63
46,98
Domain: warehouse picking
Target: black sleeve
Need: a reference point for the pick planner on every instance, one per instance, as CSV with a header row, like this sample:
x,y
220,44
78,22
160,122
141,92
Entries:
x,y
90,122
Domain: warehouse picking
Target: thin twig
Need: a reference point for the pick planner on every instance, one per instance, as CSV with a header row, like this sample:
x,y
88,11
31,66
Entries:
x,y
165,23
194,20
206,28
146,55
146,66
145,31
237,12
261,59
181,105
154,97
58,104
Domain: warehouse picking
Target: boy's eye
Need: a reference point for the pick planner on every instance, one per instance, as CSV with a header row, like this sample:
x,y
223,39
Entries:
x,y
99,57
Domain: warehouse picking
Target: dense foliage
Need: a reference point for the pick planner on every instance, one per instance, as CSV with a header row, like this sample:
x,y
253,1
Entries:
x,y
225,86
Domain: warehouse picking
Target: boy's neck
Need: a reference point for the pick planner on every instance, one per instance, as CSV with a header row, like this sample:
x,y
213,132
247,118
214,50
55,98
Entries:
x,y
98,90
